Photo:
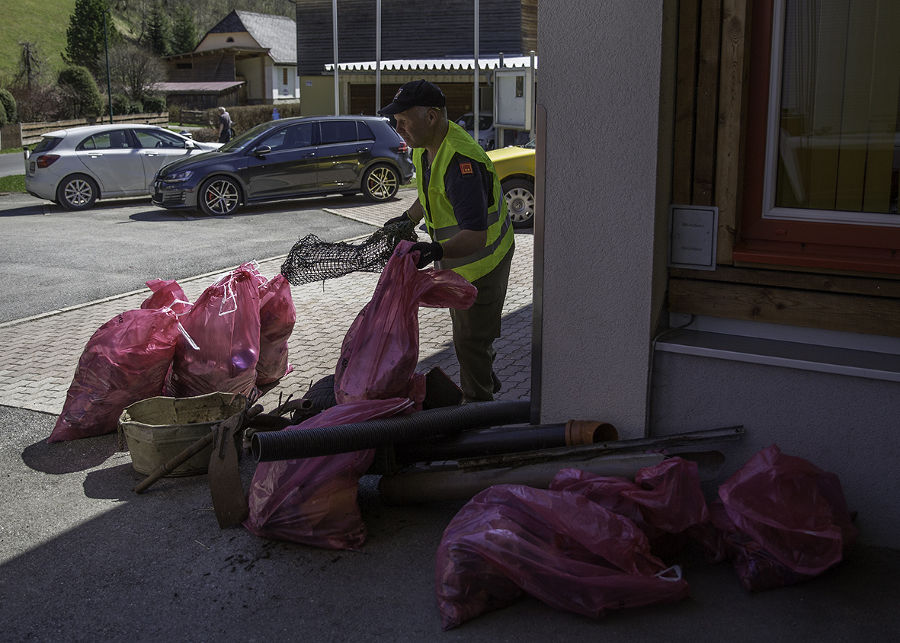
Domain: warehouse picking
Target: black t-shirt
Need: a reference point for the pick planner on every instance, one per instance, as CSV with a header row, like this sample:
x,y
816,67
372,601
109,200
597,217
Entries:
x,y
469,188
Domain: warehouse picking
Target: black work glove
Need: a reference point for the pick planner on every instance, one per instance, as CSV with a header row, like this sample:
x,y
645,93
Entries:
x,y
398,219
428,252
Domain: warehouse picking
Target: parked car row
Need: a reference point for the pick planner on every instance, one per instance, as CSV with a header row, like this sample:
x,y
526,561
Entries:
x,y
75,167
281,159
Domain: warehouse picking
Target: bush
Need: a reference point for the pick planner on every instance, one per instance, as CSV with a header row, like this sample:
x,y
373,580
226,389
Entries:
x,y
121,104
3,120
80,91
9,106
154,103
205,135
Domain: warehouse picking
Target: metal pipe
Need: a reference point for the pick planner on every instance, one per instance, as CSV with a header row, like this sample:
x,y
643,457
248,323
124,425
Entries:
x,y
495,440
307,443
425,486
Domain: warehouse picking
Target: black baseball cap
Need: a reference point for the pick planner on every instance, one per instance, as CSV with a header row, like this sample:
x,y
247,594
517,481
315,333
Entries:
x,y
416,92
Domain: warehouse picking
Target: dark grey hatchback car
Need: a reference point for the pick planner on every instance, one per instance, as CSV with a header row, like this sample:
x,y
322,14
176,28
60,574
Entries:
x,y
288,158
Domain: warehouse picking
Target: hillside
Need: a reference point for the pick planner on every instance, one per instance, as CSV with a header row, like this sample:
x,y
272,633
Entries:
x,y
37,21
44,22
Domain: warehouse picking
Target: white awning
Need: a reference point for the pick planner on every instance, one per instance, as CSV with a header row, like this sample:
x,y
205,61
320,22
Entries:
x,y
435,64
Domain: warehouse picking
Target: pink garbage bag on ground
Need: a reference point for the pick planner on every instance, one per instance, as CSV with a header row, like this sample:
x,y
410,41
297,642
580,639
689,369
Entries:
x,y
783,509
666,497
313,500
380,351
557,546
167,293
124,361
276,318
224,326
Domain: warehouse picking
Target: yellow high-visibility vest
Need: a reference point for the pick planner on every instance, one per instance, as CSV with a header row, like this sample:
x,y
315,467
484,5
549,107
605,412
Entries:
x,y
439,216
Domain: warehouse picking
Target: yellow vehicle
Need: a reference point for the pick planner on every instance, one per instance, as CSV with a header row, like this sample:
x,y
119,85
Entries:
x,y
515,169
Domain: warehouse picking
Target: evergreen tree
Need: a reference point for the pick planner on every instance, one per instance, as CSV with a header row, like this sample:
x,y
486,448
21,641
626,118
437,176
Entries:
x,y
184,30
159,29
85,43
8,106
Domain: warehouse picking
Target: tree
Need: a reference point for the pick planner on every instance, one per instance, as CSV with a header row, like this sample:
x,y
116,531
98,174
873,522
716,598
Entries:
x,y
85,39
134,70
159,30
184,30
30,64
80,91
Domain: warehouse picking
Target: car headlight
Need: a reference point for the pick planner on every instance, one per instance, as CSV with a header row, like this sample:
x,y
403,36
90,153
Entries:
x,y
178,177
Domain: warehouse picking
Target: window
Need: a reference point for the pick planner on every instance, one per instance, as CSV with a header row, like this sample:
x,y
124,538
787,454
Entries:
x,y
154,139
823,149
284,76
338,131
290,138
116,139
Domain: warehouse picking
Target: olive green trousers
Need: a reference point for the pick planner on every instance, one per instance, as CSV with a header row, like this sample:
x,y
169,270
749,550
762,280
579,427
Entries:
x,y
474,332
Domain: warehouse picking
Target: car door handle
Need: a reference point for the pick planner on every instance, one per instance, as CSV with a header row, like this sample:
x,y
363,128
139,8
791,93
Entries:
x,y
95,155
362,149
152,154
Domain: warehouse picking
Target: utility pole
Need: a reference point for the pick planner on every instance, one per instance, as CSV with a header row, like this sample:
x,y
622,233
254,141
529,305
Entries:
x,y
106,48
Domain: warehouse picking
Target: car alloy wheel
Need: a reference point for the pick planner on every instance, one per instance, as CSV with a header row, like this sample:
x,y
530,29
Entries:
x,y
381,183
519,195
77,192
219,196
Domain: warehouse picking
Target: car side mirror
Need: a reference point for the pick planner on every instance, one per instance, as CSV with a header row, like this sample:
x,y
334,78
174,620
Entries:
x,y
189,144
262,150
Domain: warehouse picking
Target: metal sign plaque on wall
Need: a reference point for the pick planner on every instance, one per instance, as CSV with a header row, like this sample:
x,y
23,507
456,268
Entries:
x,y
692,236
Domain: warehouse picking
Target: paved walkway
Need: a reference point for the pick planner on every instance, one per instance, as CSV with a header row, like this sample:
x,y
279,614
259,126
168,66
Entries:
x,y
40,353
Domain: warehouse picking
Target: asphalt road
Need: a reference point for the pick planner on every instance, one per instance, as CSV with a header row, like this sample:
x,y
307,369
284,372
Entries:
x,y
11,164
117,246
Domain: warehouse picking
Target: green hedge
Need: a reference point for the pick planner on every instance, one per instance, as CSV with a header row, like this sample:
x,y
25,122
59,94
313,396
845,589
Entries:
x,y
246,116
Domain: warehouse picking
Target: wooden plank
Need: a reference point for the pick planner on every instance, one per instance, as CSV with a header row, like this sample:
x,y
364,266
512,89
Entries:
x,y
685,95
707,102
850,313
868,286
735,60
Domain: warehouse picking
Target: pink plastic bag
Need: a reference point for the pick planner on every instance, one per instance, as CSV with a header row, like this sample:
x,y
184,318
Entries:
x,y
276,318
558,546
666,497
313,500
124,361
792,510
224,326
167,292
380,351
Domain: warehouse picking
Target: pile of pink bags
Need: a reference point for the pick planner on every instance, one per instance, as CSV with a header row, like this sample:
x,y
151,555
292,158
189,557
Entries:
x,y
313,501
592,543
232,339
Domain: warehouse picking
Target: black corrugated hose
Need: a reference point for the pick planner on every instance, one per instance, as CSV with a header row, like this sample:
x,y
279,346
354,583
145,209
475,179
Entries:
x,y
307,443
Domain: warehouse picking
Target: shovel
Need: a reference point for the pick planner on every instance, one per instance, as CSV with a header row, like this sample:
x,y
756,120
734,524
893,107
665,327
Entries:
x,y
229,501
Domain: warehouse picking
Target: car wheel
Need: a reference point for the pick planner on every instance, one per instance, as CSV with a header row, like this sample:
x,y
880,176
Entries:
x,y
380,183
219,196
77,192
519,194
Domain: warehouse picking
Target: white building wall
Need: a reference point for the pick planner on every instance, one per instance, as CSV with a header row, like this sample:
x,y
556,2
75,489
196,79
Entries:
x,y
600,81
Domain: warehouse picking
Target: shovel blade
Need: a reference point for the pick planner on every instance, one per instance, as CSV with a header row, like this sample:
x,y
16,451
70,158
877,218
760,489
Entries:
x,y
229,502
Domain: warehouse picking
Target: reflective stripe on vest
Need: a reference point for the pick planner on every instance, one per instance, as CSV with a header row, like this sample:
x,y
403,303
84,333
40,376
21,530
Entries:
x,y
439,216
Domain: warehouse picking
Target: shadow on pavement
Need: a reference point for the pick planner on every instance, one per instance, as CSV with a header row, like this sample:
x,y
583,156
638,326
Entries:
x,y
70,456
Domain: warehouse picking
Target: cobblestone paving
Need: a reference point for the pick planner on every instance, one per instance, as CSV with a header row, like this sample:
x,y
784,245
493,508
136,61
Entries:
x,y
40,353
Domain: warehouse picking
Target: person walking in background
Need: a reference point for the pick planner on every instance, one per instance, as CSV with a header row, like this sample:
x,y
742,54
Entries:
x,y
465,213
224,126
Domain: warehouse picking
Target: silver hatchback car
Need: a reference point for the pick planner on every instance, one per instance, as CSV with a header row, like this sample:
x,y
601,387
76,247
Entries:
x,y
75,167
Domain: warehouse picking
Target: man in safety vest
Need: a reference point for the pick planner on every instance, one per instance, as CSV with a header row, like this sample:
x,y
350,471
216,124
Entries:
x,y
466,217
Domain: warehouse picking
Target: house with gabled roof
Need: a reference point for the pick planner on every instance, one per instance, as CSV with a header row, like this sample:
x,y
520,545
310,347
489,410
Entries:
x,y
246,58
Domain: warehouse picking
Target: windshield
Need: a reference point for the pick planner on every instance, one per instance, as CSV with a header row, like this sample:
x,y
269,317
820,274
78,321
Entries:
x,y
46,144
467,121
240,142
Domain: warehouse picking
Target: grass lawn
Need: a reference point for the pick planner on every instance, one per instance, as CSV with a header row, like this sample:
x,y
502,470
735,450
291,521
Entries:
x,y
15,183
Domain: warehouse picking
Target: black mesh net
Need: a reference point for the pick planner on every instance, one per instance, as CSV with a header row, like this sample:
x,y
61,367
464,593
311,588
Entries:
x,y
312,259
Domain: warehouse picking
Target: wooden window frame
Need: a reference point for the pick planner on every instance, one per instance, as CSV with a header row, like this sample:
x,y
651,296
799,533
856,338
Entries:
x,y
788,242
